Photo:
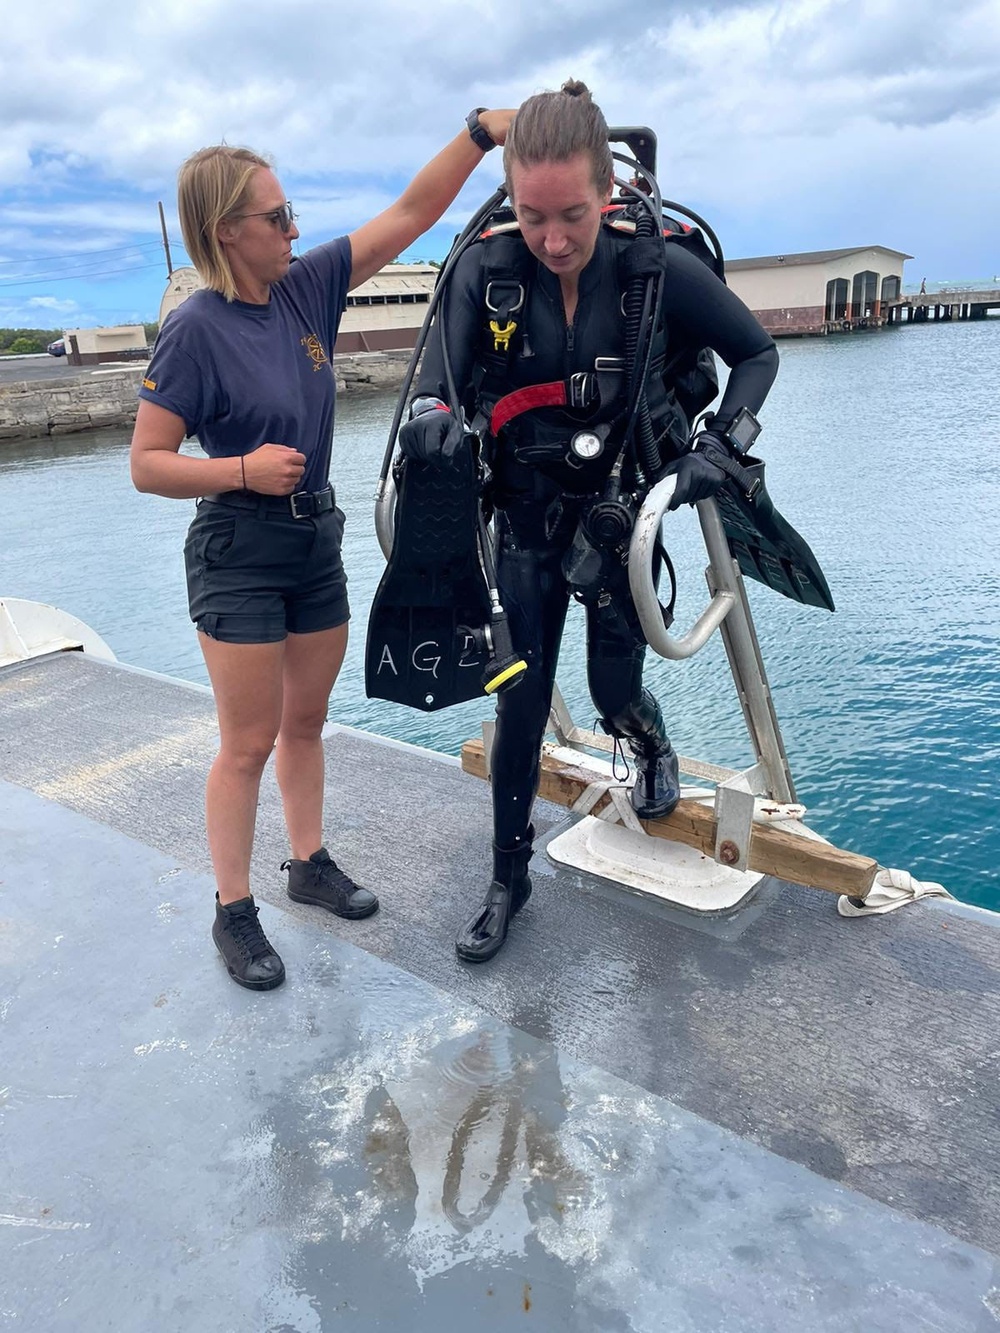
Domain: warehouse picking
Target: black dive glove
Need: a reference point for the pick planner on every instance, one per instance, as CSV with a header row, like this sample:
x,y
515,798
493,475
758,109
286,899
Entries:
x,y
698,474
433,436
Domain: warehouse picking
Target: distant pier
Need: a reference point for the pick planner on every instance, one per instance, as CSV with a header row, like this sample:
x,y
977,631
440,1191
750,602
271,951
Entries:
x,y
940,307
957,303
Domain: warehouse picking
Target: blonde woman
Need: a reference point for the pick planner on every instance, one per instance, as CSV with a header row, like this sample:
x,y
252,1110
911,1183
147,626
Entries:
x,y
243,365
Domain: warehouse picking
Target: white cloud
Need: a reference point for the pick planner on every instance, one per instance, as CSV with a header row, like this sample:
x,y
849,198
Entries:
x,y
799,123
54,304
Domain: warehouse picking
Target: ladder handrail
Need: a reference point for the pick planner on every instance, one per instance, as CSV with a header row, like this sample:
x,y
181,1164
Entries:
x,y
729,612
647,602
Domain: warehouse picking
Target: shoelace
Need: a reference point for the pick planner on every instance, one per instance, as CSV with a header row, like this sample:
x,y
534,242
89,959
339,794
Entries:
x,y
330,874
249,936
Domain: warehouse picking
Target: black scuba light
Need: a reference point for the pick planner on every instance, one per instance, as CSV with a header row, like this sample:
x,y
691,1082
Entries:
x,y
504,668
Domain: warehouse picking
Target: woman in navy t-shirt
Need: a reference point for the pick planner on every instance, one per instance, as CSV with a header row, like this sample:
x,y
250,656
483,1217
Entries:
x,y
244,366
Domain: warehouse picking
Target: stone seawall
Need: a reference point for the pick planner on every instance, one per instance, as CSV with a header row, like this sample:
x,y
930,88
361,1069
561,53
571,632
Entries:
x,y
30,409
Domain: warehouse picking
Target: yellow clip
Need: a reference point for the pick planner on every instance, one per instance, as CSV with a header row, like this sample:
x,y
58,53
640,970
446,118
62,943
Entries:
x,y
502,336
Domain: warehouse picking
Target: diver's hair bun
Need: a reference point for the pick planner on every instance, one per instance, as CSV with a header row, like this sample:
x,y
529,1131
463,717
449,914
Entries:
x,y
553,127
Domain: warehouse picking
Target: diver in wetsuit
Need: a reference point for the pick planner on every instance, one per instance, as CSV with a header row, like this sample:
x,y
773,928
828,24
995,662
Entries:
x,y
568,467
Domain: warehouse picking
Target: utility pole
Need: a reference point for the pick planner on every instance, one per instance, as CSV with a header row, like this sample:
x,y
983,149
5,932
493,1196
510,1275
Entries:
x,y
166,243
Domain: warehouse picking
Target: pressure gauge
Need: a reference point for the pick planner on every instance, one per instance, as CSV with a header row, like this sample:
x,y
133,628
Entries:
x,y
586,444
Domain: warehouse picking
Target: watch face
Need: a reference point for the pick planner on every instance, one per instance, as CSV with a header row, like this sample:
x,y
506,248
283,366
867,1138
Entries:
x,y
744,430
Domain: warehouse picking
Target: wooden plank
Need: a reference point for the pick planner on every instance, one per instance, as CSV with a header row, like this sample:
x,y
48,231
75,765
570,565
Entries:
x,y
773,851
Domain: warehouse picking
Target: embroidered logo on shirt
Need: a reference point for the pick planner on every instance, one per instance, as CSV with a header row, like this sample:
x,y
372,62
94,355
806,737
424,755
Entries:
x,y
314,348
149,384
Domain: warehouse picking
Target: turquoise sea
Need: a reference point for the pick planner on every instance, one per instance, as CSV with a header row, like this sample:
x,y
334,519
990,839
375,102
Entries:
x,y
881,448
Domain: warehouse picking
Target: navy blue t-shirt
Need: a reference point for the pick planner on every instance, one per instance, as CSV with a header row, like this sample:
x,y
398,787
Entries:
x,y
242,375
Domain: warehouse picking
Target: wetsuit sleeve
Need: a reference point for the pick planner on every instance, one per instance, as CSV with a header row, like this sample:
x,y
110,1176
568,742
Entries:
x,y
459,318
703,311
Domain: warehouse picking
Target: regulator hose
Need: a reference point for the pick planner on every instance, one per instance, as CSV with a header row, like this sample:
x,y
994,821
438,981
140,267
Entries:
x,y
640,303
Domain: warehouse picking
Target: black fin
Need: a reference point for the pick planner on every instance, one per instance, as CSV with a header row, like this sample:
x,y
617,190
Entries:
x,y
417,652
766,546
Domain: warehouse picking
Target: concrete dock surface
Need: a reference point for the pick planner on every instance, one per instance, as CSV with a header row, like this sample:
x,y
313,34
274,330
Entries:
x,y
633,1119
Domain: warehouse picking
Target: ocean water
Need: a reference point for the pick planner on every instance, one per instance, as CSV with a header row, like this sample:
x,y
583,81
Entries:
x,y
881,448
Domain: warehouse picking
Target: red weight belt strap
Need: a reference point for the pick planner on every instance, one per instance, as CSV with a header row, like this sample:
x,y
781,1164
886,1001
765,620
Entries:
x,y
523,400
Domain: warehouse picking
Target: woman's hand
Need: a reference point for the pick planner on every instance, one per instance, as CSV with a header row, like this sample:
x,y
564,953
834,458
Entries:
x,y
496,124
434,437
274,469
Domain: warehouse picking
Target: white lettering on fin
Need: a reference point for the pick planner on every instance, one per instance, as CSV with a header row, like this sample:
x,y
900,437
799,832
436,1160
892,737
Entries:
x,y
470,652
427,662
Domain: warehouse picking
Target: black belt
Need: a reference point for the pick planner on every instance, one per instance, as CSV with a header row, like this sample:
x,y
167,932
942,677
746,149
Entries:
x,y
303,504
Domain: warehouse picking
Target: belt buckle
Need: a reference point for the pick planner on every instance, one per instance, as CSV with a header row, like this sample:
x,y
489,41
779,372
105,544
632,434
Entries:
x,y
582,388
293,504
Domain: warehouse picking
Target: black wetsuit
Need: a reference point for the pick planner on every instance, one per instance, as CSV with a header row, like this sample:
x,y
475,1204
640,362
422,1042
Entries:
x,y
539,495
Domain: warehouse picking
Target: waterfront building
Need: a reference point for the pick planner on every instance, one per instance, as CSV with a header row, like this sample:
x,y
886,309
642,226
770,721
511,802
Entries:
x,y
91,347
383,314
820,291
386,312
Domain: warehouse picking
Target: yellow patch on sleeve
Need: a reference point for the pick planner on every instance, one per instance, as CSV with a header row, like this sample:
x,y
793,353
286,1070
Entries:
x,y
149,384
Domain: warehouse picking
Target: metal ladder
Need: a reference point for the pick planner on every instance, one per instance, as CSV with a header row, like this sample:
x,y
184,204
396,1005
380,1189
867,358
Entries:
x,y
736,791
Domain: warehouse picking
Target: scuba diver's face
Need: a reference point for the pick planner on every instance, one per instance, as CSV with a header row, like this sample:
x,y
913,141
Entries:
x,y
559,207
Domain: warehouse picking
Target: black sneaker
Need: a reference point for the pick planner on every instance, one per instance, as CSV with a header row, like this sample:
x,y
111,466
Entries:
x,y
249,958
320,881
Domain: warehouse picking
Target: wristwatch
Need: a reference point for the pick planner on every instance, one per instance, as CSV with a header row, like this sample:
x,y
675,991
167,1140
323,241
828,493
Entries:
x,y
478,133
742,430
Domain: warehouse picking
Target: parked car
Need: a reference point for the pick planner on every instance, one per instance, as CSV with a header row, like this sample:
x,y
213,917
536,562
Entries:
x,y
58,348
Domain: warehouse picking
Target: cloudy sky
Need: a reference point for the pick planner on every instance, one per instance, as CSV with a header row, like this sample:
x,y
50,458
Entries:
x,y
791,125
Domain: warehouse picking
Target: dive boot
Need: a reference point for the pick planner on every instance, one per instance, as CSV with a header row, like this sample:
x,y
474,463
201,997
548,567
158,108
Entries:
x,y
657,785
483,934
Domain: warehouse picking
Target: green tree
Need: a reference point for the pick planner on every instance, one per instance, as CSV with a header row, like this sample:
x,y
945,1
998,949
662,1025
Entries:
x,y
151,330
41,336
21,345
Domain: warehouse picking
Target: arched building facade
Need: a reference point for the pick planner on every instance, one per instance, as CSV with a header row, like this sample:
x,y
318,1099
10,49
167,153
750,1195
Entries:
x,y
819,291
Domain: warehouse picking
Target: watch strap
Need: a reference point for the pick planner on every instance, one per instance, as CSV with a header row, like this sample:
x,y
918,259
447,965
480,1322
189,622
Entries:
x,y
478,132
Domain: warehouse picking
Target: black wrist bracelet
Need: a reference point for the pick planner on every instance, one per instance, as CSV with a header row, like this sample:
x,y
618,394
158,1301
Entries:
x,y
478,133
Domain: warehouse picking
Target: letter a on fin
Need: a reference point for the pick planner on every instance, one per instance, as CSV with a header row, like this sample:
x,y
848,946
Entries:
x,y
386,660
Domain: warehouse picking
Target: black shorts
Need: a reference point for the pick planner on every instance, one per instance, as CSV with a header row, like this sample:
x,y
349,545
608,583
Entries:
x,y
256,575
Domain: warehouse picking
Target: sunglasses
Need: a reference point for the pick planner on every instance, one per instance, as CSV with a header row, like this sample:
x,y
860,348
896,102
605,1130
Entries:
x,y
282,217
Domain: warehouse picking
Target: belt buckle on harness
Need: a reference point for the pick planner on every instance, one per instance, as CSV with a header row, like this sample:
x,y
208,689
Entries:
x,y
582,389
293,504
493,306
